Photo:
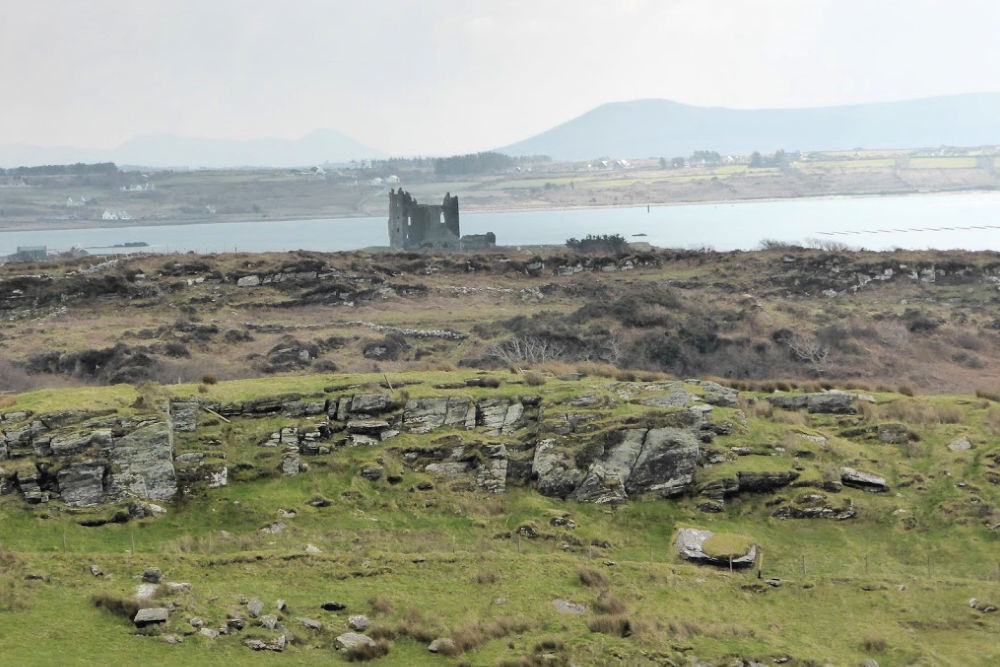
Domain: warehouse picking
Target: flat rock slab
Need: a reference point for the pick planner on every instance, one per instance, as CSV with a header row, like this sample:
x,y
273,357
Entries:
x,y
151,616
353,640
567,607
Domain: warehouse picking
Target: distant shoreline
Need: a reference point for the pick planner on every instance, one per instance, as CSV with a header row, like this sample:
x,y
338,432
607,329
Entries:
x,y
41,226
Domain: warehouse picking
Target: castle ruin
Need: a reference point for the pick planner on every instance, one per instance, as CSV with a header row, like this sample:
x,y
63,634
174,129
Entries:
x,y
415,226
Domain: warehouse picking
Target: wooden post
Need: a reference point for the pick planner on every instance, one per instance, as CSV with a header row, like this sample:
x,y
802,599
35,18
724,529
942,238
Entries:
x,y
730,564
760,564
388,384
803,565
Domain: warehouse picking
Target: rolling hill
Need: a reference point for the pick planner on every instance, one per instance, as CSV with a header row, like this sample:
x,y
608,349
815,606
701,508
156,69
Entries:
x,y
655,127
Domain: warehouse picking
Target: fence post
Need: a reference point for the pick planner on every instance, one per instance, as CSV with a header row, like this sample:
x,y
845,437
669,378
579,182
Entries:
x,y
803,565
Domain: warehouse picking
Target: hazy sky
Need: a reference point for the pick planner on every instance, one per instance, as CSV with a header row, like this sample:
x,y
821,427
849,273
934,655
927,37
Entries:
x,y
444,76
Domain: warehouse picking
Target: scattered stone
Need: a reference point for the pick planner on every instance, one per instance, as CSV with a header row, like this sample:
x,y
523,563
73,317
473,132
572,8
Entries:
x,y
312,549
359,623
960,445
209,632
280,605
567,607
353,640
372,473
311,624
981,606
96,571
236,623
172,639
145,591
152,575
444,645
196,622
255,607
894,434
269,621
151,616
178,587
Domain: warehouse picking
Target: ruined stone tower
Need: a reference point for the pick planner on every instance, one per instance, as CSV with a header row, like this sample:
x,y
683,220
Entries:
x,y
413,225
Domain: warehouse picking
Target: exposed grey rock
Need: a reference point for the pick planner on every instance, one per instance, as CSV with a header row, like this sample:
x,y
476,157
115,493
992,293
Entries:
x,y
894,434
312,549
145,591
372,473
448,468
491,475
677,397
371,427
152,575
184,415
831,402
178,587
290,463
96,571
765,482
353,640
666,464
370,404
689,545
255,607
142,464
445,645
151,616
310,623
960,445
492,413
717,394
555,469
816,506
359,623
607,476
196,622
173,639
269,621
860,479
248,281
82,484
567,607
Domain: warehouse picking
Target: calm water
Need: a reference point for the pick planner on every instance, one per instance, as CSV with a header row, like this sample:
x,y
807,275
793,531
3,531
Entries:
x,y
871,222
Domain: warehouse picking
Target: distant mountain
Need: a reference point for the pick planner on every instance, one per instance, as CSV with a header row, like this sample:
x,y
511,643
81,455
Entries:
x,y
166,150
661,128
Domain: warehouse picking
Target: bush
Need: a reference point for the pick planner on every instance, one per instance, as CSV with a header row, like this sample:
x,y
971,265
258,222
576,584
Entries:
x,y
980,393
610,625
124,607
594,578
380,605
366,652
533,379
209,379
609,603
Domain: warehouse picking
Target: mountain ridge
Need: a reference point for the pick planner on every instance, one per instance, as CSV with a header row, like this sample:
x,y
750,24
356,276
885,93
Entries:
x,y
660,127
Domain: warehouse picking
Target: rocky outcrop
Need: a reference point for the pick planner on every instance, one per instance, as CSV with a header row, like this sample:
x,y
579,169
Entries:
x,y
85,460
816,506
828,402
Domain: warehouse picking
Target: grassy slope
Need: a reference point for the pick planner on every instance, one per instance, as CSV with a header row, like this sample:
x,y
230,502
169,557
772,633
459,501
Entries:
x,y
921,578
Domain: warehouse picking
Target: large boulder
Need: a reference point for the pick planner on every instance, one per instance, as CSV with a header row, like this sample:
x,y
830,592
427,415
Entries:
x,y
867,481
765,482
704,546
151,616
350,641
184,415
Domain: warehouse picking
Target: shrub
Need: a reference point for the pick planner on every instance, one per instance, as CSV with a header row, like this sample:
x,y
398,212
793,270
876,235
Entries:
x,y
124,607
875,644
380,605
609,603
366,652
208,378
905,390
610,625
594,578
487,577
980,393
